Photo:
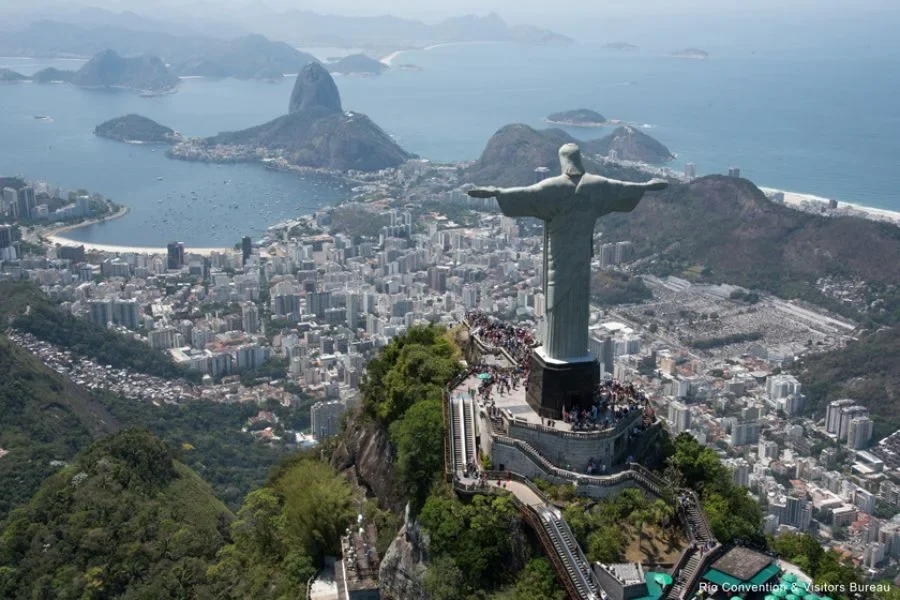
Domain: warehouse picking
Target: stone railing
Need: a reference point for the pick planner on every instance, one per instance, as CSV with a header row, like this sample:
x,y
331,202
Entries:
x,y
615,430
645,478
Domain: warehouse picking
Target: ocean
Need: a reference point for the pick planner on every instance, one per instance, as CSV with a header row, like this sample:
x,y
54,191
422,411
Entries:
x,y
799,121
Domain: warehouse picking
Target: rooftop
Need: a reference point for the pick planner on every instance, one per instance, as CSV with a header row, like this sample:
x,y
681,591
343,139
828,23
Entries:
x,y
742,563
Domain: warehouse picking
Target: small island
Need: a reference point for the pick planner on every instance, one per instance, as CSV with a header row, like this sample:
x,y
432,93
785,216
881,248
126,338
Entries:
x,y
691,54
135,129
620,47
356,64
581,117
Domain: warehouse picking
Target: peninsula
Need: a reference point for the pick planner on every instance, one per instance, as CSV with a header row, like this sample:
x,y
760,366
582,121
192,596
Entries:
x,y
136,129
316,133
581,117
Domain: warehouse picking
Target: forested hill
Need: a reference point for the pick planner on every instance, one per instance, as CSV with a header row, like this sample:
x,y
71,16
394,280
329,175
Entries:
x,y
123,520
725,229
515,151
44,418
867,370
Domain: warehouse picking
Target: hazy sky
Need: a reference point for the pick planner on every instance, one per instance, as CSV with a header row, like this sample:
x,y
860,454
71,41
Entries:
x,y
749,24
429,9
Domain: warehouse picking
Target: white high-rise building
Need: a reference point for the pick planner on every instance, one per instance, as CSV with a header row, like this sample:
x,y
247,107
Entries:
x,y
833,414
848,413
679,416
250,314
690,170
859,433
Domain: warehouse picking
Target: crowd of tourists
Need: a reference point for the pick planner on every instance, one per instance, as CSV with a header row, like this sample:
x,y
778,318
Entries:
x,y
517,341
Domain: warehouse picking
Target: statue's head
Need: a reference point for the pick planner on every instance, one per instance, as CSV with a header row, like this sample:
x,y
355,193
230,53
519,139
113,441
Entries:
x,y
570,160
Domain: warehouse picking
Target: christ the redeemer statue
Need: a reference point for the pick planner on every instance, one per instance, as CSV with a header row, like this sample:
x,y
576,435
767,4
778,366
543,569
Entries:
x,y
569,205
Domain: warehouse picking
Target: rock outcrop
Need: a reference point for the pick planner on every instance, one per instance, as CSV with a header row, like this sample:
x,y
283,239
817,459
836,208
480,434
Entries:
x,y
403,566
364,455
315,92
316,133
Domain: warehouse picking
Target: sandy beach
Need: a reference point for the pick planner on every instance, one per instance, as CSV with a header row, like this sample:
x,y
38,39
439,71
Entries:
x,y
810,202
55,236
89,247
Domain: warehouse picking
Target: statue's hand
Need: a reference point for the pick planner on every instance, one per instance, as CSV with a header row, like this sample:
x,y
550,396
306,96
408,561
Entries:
x,y
656,184
486,192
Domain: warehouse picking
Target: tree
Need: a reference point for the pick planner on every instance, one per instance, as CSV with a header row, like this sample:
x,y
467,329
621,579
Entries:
x,y
537,581
732,513
419,437
282,531
477,535
443,579
638,519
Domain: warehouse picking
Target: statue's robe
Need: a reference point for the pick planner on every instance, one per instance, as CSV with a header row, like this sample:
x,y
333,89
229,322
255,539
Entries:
x,y
569,207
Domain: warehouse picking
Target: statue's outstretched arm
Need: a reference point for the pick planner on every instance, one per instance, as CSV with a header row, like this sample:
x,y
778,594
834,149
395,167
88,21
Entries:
x,y
512,193
531,201
624,196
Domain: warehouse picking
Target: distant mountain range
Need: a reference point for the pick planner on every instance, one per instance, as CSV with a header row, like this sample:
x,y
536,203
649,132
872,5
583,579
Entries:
x,y
220,43
108,69
248,57
308,28
316,133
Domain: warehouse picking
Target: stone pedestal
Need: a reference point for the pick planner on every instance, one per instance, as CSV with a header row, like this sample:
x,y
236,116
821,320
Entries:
x,y
554,384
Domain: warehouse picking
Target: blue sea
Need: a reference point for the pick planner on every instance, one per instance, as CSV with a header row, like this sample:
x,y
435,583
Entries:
x,y
803,121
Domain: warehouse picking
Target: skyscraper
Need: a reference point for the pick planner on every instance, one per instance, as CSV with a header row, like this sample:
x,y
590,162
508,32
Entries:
x,y
26,202
833,414
848,413
860,433
246,249
690,170
250,314
734,172
679,417
175,255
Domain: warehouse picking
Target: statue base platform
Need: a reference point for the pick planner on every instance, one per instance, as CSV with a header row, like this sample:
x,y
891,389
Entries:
x,y
554,384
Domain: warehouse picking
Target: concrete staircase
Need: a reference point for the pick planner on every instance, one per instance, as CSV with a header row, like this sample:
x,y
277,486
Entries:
x,y
686,577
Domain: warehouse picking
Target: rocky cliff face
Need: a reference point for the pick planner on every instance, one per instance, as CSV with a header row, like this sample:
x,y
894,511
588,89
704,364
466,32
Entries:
x,y
404,564
317,133
364,456
315,91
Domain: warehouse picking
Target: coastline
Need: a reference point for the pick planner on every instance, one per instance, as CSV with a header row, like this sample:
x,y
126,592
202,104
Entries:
x,y
390,58
54,236
822,205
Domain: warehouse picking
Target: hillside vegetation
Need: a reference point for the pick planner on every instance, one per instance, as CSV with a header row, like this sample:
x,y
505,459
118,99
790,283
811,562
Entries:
x,y
730,228
867,370
44,418
123,520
